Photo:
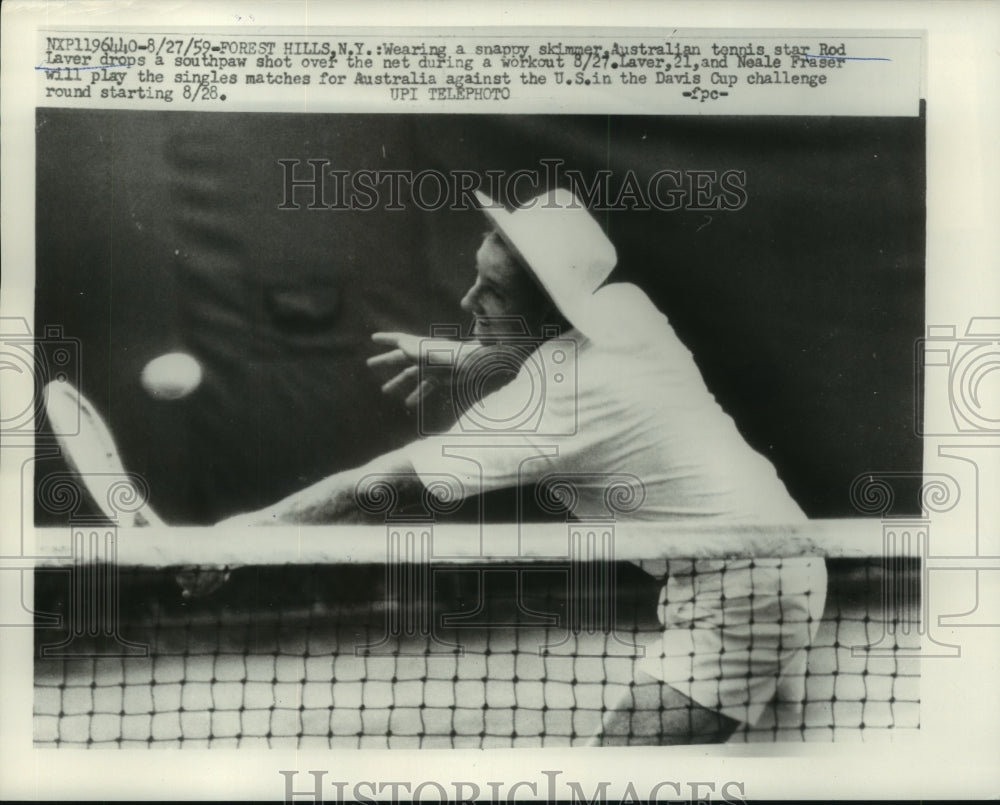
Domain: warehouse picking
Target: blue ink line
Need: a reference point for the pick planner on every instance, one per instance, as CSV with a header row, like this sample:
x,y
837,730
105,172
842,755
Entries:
x,y
847,58
88,67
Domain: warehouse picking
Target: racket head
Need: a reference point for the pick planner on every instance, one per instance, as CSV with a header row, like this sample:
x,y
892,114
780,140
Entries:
x,y
90,452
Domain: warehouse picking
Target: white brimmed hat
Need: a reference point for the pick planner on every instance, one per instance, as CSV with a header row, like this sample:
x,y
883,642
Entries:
x,y
565,248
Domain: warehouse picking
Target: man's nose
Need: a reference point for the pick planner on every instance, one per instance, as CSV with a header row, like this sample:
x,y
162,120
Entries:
x,y
469,302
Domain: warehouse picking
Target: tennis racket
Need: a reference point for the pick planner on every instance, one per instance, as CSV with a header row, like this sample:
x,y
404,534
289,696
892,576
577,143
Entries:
x,y
90,452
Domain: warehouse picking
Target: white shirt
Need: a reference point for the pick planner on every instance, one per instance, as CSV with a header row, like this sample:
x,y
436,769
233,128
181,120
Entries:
x,y
639,409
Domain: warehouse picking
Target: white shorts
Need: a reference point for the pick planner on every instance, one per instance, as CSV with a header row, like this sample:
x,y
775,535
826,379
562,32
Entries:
x,y
736,633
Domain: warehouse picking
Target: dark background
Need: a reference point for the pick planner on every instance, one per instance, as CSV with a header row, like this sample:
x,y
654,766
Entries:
x,y
161,231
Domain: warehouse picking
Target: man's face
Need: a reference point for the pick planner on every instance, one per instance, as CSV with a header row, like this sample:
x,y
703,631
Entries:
x,y
502,289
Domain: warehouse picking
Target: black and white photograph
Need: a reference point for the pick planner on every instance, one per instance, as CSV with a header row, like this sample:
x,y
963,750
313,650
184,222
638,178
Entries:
x,y
570,431
658,318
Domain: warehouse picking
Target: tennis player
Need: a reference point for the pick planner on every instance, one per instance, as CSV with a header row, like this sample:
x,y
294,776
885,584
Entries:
x,y
735,632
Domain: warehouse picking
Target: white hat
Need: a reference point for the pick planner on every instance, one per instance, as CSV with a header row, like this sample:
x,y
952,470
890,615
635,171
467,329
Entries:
x,y
565,248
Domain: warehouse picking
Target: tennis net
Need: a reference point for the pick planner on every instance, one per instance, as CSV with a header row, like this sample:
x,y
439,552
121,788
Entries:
x,y
416,636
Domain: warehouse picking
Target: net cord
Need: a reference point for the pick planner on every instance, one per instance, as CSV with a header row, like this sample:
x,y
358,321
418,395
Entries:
x,y
473,543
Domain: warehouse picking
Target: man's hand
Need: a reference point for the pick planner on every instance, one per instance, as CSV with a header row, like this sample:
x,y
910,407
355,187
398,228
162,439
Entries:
x,y
417,375
197,582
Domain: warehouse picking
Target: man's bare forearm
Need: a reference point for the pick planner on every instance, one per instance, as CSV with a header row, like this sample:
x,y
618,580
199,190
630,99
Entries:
x,y
335,498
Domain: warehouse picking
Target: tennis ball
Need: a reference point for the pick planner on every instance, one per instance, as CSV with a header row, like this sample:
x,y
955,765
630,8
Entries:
x,y
171,376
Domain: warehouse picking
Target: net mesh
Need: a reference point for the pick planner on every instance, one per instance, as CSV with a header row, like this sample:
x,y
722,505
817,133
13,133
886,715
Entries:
x,y
427,655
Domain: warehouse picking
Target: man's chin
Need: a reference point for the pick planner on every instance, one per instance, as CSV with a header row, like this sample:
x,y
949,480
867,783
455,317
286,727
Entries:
x,y
495,332
490,337
482,331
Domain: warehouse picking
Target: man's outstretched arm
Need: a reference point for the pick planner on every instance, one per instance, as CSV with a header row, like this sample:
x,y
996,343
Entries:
x,y
334,499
